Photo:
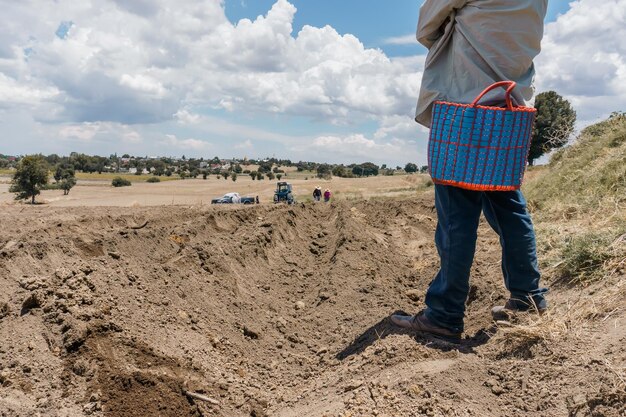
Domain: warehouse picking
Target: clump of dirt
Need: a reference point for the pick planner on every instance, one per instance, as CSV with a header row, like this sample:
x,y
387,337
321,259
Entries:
x,y
132,380
270,310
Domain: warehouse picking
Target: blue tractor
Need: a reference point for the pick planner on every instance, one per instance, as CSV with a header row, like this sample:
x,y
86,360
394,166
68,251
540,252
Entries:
x,y
284,194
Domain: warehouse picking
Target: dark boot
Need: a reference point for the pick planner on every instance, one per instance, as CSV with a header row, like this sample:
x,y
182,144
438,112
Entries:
x,y
420,323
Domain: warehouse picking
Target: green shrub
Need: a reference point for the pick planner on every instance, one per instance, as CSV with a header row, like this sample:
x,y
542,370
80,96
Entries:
x,y
153,179
120,182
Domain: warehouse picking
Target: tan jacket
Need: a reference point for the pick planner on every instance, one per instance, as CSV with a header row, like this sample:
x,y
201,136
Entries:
x,y
474,43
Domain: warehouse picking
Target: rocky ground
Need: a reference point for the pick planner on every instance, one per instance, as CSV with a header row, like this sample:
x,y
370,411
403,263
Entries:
x,y
279,311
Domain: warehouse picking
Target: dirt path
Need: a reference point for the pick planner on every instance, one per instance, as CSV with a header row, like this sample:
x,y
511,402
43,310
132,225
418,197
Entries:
x,y
278,311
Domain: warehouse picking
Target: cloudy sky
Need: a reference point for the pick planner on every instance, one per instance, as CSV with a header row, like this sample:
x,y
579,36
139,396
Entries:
x,y
321,80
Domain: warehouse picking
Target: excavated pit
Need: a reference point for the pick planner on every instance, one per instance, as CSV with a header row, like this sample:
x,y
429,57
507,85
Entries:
x,y
270,310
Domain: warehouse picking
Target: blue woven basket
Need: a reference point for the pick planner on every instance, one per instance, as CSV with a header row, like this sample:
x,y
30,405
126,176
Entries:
x,y
479,147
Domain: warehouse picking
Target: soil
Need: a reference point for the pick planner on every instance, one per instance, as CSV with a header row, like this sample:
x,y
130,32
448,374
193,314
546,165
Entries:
x,y
272,311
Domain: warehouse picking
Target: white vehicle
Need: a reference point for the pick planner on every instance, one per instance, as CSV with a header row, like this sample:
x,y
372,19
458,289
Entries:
x,y
228,198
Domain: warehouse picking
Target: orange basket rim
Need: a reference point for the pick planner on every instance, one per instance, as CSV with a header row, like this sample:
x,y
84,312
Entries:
x,y
478,106
476,187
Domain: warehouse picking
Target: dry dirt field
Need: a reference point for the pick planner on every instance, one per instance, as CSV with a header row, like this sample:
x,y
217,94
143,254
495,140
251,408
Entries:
x,y
273,311
200,192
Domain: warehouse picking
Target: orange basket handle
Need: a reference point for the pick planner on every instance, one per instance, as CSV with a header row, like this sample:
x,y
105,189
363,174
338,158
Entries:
x,y
510,86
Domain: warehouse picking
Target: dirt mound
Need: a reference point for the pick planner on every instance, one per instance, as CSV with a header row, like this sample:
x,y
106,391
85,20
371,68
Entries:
x,y
276,311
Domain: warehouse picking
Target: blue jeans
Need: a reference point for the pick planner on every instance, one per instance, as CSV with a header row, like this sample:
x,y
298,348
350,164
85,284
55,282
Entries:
x,y
458,212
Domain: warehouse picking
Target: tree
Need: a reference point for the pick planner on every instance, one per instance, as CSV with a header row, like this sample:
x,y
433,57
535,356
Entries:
x,y
233,176
324,171
265,167
341,171
65,177
30,176
553,126
225,174
159,168
253,175
53,159
410,168
366,169
279,176
270,176
120,182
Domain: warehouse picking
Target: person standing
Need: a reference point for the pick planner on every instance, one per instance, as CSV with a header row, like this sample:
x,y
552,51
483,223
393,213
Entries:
x,y
317,194
473,44
326,195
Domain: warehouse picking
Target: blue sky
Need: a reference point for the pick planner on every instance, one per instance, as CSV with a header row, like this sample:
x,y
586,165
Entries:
x,y
301,79
372,21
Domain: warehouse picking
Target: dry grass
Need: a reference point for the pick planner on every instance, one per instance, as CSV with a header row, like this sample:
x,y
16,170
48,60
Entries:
x,y
579,206
108,176
105,176
571,315
572,318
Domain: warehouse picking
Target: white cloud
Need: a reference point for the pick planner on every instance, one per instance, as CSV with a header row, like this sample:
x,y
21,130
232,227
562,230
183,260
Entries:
x,y
397,140
85,131
402,40
131,137
584,57
358,147
144,84
184,116
136,68
186,144
245,145
98,131
142,62
15,93
400,127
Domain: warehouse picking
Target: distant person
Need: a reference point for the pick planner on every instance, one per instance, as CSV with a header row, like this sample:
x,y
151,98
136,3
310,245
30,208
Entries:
x,y
257,199
317,194
473,44
326,195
